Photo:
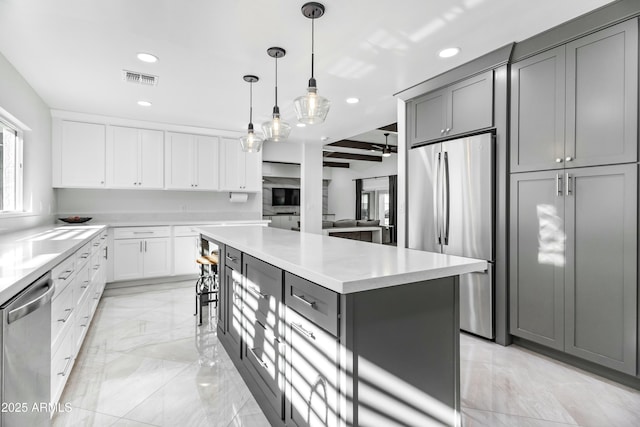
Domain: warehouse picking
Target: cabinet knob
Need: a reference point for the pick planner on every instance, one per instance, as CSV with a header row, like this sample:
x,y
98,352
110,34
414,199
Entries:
x,y
441,131
558,160
569,158
447,130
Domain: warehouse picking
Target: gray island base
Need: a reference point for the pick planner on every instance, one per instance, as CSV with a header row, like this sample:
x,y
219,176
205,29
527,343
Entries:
x,y
332,332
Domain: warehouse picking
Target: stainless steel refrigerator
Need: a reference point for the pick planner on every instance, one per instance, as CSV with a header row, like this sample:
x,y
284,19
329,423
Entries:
x,y
450,209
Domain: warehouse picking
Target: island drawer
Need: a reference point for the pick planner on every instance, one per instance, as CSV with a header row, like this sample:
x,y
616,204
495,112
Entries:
x,y
316,303
262,356
233,258
262,293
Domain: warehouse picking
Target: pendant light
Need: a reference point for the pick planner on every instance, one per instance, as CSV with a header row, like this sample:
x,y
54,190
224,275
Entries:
x,y
386,151
312,108
275,129
250,143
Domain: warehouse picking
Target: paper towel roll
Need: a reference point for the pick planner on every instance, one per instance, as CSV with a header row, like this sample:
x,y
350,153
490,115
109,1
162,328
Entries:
x,y
238,197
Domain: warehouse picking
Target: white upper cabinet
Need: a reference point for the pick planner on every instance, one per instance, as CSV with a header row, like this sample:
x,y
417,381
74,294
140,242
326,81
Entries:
x,y
78,154
135,158
239,171
191,162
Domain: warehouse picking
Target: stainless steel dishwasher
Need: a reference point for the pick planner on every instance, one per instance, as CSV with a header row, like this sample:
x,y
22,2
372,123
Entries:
x,y
26,356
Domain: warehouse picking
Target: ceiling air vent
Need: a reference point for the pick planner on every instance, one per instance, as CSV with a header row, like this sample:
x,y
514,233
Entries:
x,y
135,77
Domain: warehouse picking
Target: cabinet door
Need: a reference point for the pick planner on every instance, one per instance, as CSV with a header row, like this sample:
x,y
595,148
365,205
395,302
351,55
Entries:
x,y
233,283
427,117
179,161
232,165
253,171
185,253
537,242
600,278
312,373
151,155
122,158
207,163
470,105
82,155
127,259
602,97
537,112
157,257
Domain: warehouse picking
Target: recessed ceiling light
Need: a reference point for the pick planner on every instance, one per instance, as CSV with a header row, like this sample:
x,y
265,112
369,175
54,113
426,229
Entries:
x,y
352,100
300,125
449,52
147,57
144,103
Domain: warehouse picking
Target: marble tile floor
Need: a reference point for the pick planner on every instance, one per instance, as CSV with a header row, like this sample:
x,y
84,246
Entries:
x,y
144,362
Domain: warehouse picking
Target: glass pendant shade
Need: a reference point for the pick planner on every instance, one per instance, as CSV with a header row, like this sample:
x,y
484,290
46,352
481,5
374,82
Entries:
x,y
275,129
386,152
311,108
251,142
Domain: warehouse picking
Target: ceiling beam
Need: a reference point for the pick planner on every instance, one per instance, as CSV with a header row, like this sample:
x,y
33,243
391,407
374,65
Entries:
x,y
335,165
349,143
393,127
351,156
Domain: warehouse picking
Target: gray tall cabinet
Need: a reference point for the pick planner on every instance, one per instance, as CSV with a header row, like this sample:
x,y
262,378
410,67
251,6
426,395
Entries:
x,y
573,204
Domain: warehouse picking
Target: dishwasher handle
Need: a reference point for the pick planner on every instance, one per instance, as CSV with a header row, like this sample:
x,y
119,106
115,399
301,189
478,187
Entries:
x,y
39,294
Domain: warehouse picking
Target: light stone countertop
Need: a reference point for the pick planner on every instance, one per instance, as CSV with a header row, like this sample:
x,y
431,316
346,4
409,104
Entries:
x,y
342,265
27,254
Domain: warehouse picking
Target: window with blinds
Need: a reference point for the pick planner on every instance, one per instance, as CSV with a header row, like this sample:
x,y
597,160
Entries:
x,y
10,168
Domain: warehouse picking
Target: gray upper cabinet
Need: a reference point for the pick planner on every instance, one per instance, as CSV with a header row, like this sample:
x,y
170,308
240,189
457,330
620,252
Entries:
x,y
574,261
576,105
600,277
537,258
537,111
460,108
602,97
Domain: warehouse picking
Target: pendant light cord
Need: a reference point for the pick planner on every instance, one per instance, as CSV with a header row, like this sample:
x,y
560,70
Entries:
x,y
312,44
276,81
251,104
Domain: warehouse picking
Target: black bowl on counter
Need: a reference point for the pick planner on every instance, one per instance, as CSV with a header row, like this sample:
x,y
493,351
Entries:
x,y
75,219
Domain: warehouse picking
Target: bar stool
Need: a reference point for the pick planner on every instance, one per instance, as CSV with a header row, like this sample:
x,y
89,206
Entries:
x,y
207,283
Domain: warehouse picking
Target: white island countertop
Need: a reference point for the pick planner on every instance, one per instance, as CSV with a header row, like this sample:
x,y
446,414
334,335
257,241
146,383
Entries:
x,y
28,254
342,265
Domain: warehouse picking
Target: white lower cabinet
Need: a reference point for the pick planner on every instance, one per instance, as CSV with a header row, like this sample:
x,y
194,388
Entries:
x,y
186,249
141,252
79,281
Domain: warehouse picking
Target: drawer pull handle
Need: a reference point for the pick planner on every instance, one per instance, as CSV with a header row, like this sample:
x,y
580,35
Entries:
x,y
256,292
65,275
97,266
84,284
303,331
260,361
302,299
66,367
96,244
231,258
69,311
84,255
144,232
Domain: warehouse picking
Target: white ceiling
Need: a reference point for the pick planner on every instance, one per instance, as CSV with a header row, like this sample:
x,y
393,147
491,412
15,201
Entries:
x,y
72,53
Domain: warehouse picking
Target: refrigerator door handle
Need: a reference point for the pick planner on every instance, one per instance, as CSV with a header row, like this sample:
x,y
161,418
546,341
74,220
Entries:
x,y
447,196
438,201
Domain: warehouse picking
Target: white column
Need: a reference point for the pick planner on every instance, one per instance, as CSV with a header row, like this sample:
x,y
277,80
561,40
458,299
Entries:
x,y
311,188
401,223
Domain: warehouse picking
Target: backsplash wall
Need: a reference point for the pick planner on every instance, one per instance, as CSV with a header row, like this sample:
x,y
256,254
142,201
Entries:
x,y
270,182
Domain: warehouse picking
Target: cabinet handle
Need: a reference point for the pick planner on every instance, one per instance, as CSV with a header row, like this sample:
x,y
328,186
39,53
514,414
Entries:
x,y
303,300
145,246
140,245
260,361
69,311
441,131
558,185
231,258
65,274
569,189
66,367
447,130
96,244
84,284
85,255
558,160
96,267
303,331
256,292
106,252
569,158
143,232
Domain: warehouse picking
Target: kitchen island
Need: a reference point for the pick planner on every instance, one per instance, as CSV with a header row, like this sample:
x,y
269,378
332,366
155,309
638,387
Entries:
x,y
328,331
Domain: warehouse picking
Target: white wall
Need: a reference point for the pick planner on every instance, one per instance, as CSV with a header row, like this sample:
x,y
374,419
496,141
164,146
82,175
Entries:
x,y
21,101
159,204
286,152
342,188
